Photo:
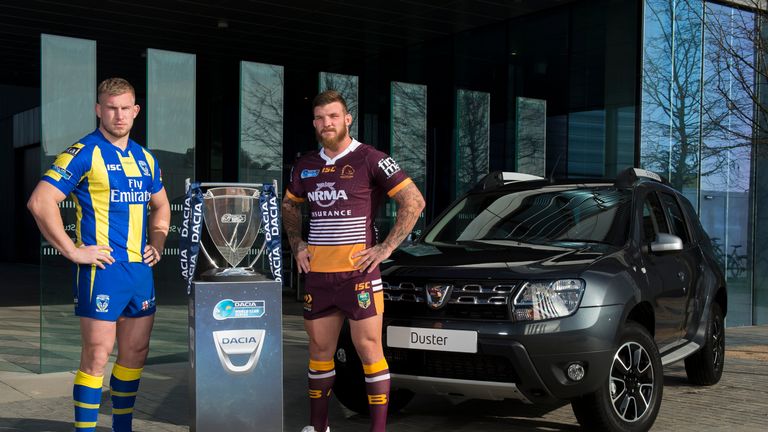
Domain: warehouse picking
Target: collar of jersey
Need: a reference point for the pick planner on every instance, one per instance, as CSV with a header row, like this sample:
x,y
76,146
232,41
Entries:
x,y
107,144
328,161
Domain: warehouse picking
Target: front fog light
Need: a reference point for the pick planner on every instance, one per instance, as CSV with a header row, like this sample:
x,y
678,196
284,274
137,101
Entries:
x,y
575,372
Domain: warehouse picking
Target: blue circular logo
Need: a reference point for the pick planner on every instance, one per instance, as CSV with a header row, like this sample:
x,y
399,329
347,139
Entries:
x,y
224,309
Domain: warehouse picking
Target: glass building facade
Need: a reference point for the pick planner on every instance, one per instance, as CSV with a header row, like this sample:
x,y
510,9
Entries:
x,y
566,88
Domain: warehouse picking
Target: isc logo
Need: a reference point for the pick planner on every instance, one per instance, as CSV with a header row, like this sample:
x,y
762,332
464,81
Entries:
x,y
114,167
362,286
329,169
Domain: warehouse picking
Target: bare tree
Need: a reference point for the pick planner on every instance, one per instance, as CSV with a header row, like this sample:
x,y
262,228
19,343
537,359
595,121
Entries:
x,y
409,129
261,138
409,134
694,100
347,86
472,136
531,136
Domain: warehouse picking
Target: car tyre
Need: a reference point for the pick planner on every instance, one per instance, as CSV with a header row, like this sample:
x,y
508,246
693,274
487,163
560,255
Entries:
x,y
630,398
349,385
705,367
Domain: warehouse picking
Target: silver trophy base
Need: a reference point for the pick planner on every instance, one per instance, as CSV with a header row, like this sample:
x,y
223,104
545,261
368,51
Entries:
x,y
233,274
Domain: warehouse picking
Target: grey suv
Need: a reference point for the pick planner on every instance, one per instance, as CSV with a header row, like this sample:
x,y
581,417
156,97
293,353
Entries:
x,y
544,291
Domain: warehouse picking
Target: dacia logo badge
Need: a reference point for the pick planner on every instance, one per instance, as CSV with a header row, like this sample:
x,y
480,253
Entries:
x,y
438,294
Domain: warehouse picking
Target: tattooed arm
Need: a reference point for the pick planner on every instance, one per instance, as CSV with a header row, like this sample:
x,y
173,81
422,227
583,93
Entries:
x,y
292,226
410,203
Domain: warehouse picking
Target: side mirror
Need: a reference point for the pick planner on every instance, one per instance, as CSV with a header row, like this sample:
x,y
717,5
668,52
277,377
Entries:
x,y
666,243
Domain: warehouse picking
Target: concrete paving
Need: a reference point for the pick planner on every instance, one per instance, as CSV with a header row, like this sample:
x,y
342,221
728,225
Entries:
x,y
42,402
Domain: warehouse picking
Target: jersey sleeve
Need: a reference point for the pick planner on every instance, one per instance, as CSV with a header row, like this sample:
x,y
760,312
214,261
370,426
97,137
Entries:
x,y
69,168
157,173
387,174
295,190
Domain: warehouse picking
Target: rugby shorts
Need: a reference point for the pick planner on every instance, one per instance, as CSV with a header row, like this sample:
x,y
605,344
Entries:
x,y
120,289
357,295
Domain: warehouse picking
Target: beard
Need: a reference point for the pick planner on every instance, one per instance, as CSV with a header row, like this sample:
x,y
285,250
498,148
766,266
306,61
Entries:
x,y
332,143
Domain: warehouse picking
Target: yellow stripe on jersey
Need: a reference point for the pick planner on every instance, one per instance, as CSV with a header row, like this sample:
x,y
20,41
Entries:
x,y
151,161
135,231
98,188
293,197
62,161
78,218
130,167
392,192
329,259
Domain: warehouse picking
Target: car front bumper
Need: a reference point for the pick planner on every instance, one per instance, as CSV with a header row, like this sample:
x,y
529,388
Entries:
x,y
525,361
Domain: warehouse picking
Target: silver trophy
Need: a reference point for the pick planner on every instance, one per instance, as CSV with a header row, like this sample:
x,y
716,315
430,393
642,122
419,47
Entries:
x,y
233,220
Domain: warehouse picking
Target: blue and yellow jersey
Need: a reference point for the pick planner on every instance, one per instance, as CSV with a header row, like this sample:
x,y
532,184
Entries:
x,y
111,189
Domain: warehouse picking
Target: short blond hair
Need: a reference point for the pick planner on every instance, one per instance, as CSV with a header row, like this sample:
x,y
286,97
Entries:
x,y
115,87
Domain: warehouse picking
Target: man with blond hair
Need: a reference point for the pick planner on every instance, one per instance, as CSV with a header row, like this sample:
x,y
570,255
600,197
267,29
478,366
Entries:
x,y
113,181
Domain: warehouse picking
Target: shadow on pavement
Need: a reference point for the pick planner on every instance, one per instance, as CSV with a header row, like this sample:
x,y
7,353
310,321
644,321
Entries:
x,y
27,425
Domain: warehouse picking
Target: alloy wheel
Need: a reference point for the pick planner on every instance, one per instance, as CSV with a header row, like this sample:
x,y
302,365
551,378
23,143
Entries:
x,y
631,382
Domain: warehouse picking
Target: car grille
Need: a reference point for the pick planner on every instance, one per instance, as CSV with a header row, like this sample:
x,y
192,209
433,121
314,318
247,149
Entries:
x,y
439,364
483,300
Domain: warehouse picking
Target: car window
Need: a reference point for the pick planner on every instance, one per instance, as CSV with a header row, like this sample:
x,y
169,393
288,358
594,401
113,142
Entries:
x,y
551,215
675,215
653,218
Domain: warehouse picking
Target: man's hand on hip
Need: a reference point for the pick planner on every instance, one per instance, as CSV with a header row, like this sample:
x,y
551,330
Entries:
x,y
97,255
370,258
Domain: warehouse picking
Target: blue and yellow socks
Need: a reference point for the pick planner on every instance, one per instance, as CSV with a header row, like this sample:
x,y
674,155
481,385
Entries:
x,y
86,394
123,386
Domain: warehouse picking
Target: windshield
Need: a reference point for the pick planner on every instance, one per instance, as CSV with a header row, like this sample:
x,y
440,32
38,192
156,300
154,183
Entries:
x,y
557,215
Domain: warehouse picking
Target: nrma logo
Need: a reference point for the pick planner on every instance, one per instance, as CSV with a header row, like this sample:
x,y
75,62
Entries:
x,y
325,195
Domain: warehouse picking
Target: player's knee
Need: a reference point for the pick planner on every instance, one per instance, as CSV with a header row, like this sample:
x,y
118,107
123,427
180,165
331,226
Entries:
x,y
94,359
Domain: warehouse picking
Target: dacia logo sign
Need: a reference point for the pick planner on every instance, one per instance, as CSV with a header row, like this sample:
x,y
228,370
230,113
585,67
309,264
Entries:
x,y
325,195
242,343
230,309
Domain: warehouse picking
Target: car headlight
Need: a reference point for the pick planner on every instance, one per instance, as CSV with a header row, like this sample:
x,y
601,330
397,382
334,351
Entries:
x,y
541,300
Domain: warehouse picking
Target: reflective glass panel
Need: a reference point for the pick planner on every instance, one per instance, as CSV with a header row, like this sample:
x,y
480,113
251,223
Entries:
x,y
473,109
261,123
671,92
726,153
531,136
68,88
170,117
586,144
347,85
408,132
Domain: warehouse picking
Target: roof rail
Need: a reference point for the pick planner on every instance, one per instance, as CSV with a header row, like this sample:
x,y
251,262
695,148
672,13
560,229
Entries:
x,y
500,178
630,176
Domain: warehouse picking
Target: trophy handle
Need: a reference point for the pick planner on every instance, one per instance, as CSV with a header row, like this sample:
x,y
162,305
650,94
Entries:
x,y
205,252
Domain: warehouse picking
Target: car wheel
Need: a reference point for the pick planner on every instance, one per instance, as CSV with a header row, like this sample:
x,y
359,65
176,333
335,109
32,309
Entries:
x,y
349,385
630,398
705,367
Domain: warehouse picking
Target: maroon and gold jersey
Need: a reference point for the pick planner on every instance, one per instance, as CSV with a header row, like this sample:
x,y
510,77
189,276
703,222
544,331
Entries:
x,y
343,195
